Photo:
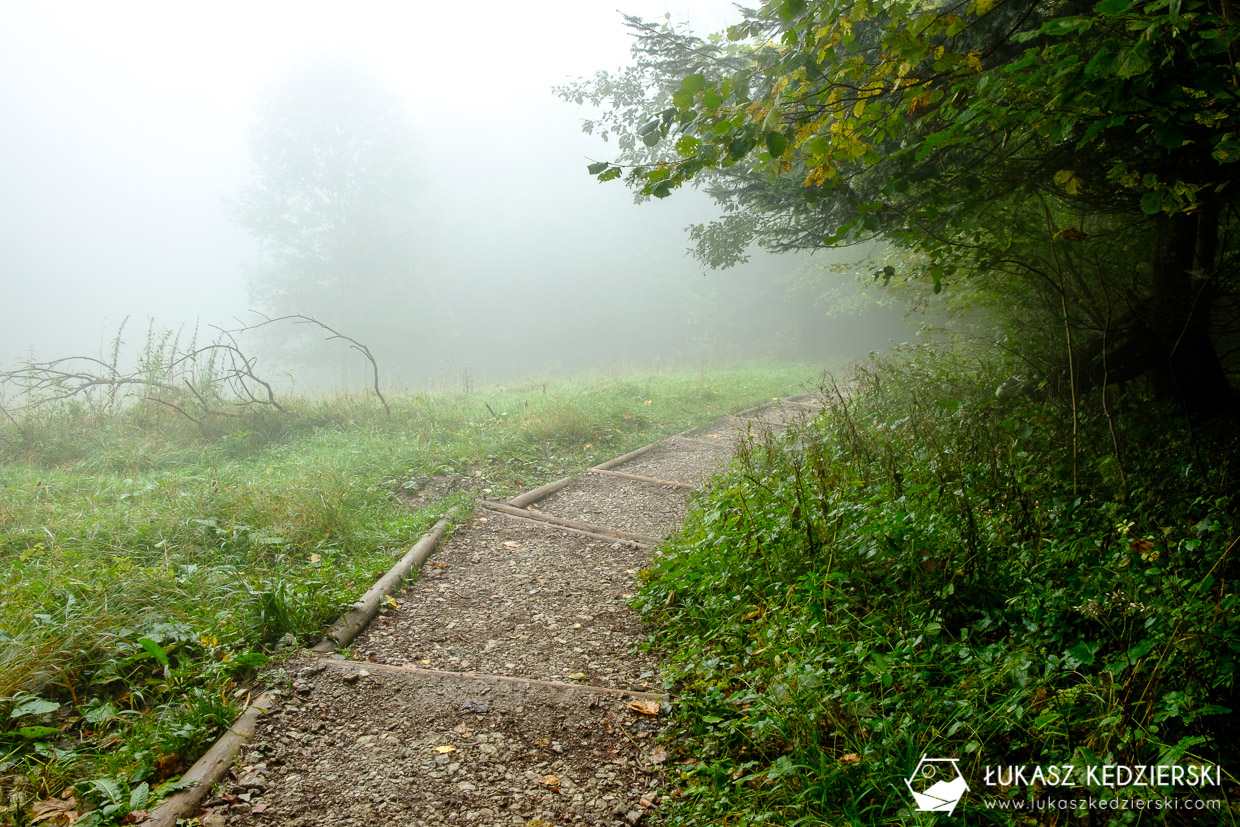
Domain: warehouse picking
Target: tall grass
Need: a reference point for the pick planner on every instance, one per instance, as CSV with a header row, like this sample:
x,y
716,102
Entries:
x,y
149,563
930,570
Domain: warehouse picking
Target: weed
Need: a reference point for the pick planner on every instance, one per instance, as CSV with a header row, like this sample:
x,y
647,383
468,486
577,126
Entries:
x,y
916,574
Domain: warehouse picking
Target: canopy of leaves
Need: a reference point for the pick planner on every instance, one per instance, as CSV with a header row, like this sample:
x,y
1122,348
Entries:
x,y
895,115
1058,142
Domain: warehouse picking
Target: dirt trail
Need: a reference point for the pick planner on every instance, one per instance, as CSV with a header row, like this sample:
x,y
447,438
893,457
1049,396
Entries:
x,y
505,686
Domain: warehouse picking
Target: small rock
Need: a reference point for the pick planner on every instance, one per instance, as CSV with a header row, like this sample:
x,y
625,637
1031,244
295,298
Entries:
x,y
251,781
634,816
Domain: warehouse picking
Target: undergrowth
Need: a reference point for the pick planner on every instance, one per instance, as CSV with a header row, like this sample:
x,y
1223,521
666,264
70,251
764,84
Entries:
x,y
148,563
930,570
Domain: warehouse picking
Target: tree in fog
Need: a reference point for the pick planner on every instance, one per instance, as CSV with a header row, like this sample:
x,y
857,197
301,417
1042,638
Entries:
x,y
333,200
1076,161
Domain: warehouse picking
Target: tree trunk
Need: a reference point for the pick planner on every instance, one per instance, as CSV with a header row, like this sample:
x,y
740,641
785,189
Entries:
x,y
1165,335
1186,368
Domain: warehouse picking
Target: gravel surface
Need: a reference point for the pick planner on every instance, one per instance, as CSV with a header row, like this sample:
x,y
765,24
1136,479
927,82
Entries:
x,y
509,596
679,461
640,507
354,747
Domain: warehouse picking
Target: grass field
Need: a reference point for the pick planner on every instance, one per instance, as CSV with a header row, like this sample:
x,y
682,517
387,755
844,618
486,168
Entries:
x,y
149,564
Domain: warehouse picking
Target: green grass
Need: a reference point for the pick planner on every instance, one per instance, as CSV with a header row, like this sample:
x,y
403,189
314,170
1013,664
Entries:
x,y
148,564
929,570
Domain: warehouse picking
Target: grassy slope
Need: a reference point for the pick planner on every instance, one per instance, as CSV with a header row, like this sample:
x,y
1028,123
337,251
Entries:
x,y
929,570
146,565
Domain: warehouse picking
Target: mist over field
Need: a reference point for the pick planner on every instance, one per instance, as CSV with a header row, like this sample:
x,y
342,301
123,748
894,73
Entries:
x,y
128,149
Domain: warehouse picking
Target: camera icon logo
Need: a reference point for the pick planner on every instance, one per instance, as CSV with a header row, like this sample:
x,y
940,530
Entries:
x,y
937,785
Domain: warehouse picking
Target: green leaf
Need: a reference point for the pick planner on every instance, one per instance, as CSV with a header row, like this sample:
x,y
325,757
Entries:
x,y
34,706
35,732
687,146
139,796
596,168
789,9
156,651
108,788
611,174
740,147
693,83
682,99
1066,25
1082,653
661,189
776,144
1151,202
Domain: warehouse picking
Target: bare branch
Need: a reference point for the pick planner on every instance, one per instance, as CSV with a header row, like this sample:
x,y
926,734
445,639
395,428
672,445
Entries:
x,y
354,344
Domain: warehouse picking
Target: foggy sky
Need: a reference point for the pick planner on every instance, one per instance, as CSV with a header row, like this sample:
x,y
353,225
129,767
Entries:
x,y
125,129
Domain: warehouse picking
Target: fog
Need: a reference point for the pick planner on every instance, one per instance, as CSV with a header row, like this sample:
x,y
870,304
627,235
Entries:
x,y
126,135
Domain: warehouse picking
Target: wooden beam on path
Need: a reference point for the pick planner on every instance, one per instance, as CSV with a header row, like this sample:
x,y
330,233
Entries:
x,y
640,478
541,492
590,528
363,611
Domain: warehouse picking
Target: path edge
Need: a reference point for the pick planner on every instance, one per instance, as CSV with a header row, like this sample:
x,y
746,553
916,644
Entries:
x,y
213,765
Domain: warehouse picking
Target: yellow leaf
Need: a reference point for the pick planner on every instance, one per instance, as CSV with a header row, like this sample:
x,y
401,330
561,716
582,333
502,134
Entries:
x,y
645,707
550,780
391,601
1067,179
445,749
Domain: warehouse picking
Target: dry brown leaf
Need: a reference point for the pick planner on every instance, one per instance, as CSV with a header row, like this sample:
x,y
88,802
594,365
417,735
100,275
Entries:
x,y
850,758
658,755
550,780
55,811
511,544
645,707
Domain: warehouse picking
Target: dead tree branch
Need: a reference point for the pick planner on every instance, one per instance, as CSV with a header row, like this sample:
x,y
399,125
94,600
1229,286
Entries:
x,y
216,379
354,344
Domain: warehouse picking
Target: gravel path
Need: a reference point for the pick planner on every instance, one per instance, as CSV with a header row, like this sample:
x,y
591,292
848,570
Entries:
x,y
503,687
508,596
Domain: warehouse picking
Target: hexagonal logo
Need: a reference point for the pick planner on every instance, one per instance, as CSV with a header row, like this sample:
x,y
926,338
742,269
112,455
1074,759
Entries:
x,y
937,785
